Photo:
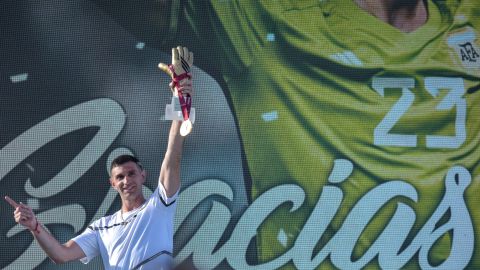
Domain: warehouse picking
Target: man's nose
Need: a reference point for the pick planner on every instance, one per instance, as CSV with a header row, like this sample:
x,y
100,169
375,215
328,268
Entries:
x,y
126,179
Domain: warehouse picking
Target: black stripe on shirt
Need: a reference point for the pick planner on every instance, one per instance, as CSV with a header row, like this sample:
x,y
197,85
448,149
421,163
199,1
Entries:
x,y
165,203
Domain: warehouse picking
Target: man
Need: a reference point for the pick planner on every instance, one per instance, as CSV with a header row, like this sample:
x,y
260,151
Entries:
x,y
140,234
391,86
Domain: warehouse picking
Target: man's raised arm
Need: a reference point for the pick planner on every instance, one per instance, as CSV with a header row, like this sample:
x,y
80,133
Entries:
x,y
181,84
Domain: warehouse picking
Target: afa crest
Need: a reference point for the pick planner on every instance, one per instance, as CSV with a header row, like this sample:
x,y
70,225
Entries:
x,y
465,47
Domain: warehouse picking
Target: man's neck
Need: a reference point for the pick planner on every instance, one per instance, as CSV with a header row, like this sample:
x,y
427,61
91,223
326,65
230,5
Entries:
x,y
406,15
129,205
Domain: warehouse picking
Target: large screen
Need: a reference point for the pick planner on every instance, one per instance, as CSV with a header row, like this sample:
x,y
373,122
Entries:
x,y
324,137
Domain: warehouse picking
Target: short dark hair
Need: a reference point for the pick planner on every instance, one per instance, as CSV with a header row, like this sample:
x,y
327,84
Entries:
x,y
120,160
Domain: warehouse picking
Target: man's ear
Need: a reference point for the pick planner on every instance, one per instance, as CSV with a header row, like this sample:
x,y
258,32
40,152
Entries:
x,y
144,175
111,182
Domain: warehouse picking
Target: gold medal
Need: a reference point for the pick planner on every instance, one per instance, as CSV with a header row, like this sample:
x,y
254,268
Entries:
x,y
186,127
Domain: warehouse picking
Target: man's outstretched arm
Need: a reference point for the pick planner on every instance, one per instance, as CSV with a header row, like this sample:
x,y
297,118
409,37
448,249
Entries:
x,y
182,61
57,252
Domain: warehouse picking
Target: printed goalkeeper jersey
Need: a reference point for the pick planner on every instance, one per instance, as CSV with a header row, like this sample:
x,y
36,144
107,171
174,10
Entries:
x,y
313,83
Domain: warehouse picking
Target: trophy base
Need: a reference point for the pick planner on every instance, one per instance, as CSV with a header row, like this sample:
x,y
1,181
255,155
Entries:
x,y
173,111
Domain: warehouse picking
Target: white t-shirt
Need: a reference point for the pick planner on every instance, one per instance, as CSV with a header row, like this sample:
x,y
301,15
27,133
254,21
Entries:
x,y
138,239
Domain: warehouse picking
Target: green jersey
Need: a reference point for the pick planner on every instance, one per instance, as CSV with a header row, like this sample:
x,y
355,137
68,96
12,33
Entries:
x,y
314,84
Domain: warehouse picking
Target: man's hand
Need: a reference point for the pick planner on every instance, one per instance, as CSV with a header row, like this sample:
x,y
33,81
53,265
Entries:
x,y
23,214
59,253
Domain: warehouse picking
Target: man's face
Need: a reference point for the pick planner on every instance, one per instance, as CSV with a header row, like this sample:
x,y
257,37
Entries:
x,y
128,179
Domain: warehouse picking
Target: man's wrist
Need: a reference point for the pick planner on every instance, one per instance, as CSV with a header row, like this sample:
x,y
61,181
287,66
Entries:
x,y
36,229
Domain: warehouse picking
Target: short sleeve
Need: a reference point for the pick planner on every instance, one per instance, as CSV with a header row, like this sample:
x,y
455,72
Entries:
x,y
167,201
88,243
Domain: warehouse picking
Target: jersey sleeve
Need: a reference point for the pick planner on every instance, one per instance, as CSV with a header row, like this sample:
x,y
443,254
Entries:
x,y
88,243
161,194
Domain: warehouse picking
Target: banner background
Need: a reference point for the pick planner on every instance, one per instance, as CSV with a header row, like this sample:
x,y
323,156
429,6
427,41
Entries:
x,y
78,88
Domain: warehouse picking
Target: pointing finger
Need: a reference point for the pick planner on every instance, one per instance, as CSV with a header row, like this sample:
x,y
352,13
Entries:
x,y
11,202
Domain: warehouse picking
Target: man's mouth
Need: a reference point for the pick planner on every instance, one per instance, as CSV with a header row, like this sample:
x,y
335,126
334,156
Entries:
x,y
129,189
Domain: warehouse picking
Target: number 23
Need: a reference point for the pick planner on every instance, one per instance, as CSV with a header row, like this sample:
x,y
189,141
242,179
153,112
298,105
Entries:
x,y
454,98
